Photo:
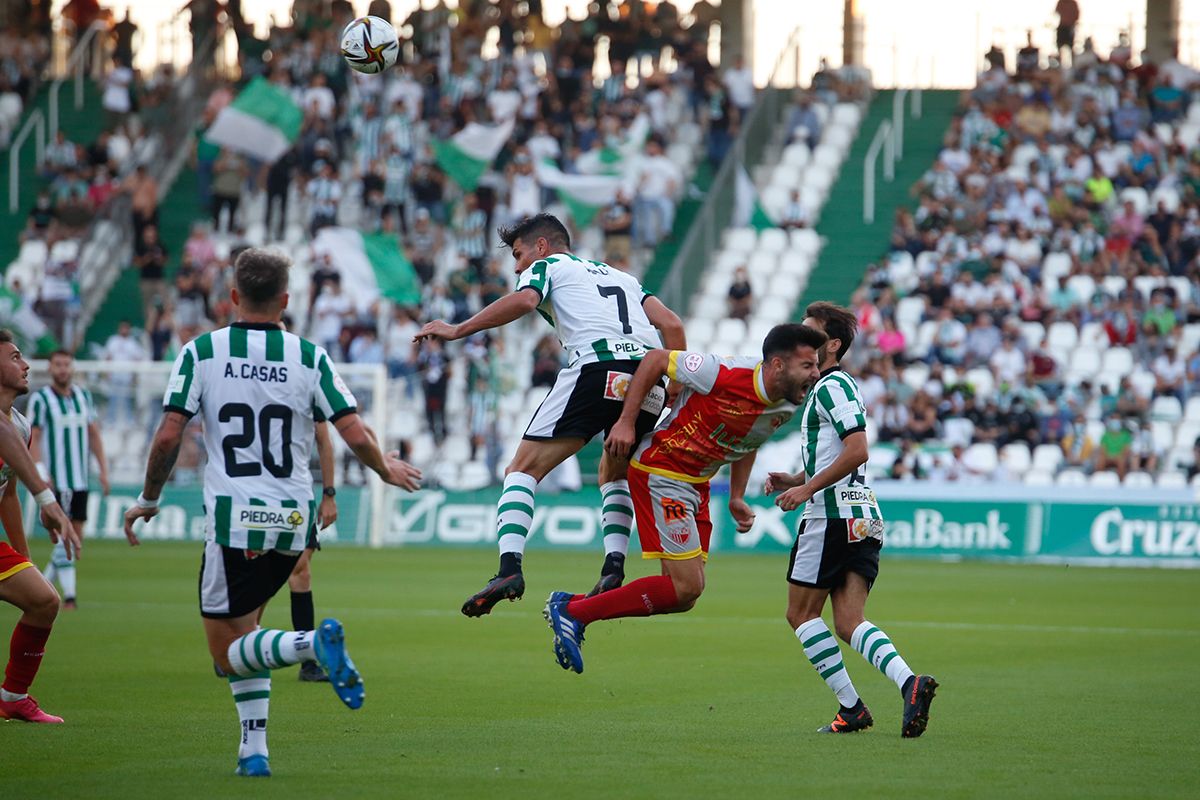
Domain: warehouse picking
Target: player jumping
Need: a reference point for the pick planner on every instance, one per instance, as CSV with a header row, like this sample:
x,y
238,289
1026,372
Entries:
x,y
728,408
606,322
259,390
20,582
836,553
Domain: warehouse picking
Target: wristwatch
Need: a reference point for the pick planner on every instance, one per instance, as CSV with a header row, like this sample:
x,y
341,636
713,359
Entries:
x,y
329,491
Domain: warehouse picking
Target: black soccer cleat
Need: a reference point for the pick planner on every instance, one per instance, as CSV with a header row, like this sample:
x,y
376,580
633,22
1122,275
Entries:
x,y
918,694
857,719
500,587
311,672
607,583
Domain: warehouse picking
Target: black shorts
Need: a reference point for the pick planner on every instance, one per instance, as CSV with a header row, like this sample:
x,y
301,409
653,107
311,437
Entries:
x,y
74,503
232,583
823,554
588,400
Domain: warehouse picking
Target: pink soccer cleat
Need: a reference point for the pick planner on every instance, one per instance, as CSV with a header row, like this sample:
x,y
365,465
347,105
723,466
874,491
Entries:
x,y
25,710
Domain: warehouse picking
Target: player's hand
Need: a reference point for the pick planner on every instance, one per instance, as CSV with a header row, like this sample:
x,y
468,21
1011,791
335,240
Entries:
x,y
55,520
327,512
437,329
401,473
777,481
742,513
105,486
621,440
673,390
794,498
135,513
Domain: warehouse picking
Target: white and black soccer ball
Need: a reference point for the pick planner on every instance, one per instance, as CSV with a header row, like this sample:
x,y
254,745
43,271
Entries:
x,y
370,45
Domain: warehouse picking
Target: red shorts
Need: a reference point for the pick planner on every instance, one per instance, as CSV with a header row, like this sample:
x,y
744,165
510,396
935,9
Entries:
x,y
11,562
672,516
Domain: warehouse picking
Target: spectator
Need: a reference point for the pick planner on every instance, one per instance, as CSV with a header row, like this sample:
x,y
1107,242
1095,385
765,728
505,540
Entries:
x,y
658,180
1116,447
330,313
423,244
950,339
1194,468
117,99
150,258
324,195
400,350
617,223
366,348
983,339
739,81
1064,34
795,214
1170,374
472,235
547,361
723,119
741,295
891,342
434,367
1078,447
122,347
1008,362
143,191
229,173
1144,453
803,124
278,181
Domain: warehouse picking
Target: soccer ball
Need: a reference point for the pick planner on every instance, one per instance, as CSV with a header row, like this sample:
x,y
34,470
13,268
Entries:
x,y
370,45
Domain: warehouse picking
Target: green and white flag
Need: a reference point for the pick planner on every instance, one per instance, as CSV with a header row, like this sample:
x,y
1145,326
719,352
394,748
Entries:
x,y
583,195
31,333
748,209
372,265
468,154
262,122
615,159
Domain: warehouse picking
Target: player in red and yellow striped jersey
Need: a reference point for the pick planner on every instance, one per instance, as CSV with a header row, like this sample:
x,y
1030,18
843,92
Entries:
x,y
729,407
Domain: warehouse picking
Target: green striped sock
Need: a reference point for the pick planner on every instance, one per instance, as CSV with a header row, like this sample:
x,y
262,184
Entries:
x,y
874,645
252,696
514,514
616,516
267,649
824,654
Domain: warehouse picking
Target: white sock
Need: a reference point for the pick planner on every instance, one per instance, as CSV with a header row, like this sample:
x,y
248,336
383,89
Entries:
x,y
823,652
514,513
267,649
874,645
252,696
66,579
11,697
616,516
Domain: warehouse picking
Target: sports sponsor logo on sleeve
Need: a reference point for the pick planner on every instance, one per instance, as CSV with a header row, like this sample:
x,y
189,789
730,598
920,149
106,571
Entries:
x,y
176,383
692,362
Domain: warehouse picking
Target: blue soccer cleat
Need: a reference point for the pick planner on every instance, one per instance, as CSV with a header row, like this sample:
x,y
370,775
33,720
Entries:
x,y
255,766
332,656
568,632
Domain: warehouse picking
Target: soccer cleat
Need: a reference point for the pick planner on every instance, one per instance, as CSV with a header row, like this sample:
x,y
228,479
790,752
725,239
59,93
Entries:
x,y
255,766
607,583
69,604
850,721
500,587
919,693
25,710
568,632
311,672
333,658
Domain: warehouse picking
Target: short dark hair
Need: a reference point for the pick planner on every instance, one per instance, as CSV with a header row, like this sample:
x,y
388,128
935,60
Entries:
x,y
783,339
260,276
538,225
6,336
839,322
62,351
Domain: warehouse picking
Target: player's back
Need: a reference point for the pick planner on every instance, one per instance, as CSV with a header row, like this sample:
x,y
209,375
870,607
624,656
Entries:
x,y
258,390
595,309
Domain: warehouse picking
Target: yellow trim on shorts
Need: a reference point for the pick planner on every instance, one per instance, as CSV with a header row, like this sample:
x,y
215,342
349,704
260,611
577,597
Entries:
x,y
666,473
8,573
678,556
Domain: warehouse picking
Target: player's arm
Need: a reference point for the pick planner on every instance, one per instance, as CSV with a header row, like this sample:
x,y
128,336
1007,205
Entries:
x,y
11,519
501,312
782,480
164,450
853,456
97,447
360,439
623,435
667,321
15,454
739,477
327,512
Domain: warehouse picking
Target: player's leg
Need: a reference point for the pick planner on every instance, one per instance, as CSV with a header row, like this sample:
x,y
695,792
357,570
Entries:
x,y
303,611
64,568
24,587
849,602
616,521
809,579
514,516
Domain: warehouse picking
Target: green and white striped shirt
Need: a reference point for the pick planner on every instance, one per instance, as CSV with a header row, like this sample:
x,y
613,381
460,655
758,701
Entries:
x,y
259,391
832,411
64,421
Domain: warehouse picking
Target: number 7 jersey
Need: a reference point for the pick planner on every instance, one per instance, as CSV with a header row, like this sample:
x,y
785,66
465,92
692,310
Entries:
x,y
595,309
259,391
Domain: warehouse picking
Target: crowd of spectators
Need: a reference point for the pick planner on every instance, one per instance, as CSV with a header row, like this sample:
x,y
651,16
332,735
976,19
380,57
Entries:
x,y
1042,288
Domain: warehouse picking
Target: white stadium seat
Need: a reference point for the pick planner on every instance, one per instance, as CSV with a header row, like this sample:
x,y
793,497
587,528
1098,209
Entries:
x,y
729,332
1104,479
1118,360
1063,335
741,240
1016,458
806,241
1138,480
1047,457
1166,408
772,240
1071,477
797,155
1038,478
1171,480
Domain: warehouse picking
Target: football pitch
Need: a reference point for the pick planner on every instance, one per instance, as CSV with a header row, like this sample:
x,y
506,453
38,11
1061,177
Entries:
x,y
1055,682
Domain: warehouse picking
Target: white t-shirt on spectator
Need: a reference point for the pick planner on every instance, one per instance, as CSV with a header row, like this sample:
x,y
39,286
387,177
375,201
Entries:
x,y
542,146
322,97
329,313
119,147
1025,253
408,92
504,104
1169,370
657,177
1108,160
116,90
956,159
740,83
1008,364
972,294
123,348
524,195
399,343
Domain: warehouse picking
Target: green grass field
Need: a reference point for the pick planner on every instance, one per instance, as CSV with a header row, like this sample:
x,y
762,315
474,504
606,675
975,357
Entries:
x,y
1056,682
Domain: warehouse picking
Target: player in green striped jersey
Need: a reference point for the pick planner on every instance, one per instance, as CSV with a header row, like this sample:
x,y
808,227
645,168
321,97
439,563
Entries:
x,y
259,391
65,436
836,553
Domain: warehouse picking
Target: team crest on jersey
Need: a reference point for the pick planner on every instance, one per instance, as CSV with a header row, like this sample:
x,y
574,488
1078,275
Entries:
x,y
693,361
617,385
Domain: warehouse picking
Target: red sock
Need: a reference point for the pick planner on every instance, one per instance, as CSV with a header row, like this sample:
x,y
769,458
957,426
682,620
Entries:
x,y
578,596
25,653
641,598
